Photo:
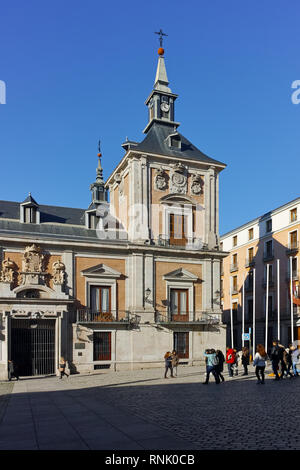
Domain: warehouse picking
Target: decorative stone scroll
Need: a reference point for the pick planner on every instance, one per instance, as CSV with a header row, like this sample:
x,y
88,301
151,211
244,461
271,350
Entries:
x,y
58,272
160,180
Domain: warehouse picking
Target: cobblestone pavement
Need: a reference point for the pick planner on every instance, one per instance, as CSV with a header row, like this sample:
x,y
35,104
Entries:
x,y
5,391
142,410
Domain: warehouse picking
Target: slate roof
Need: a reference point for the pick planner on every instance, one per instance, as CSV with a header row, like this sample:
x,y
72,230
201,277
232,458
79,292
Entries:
x,y
56,221
156,142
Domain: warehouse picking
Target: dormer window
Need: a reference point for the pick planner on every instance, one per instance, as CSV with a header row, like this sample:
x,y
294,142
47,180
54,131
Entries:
x,y
92,221
30,215
174,141
29,211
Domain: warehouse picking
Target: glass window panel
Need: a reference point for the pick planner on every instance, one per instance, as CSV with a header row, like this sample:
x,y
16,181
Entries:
x,y
95,299
174,302
183,302
105,299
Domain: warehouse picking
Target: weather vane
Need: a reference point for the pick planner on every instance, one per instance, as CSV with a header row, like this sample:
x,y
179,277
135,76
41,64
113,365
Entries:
x,y
161,34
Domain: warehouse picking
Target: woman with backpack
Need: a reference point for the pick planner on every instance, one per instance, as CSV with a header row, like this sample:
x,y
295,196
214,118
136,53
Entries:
x,y
211,363
260,364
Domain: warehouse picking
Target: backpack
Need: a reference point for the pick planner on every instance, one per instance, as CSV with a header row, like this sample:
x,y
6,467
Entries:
x,y
215,361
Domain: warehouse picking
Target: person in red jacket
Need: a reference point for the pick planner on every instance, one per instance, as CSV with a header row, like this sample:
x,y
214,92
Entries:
x,y
230,360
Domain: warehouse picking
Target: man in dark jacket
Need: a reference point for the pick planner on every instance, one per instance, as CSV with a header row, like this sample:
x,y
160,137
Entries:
x,y
276,356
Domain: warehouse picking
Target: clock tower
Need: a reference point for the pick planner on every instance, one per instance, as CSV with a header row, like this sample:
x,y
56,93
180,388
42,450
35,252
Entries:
x,y
161,100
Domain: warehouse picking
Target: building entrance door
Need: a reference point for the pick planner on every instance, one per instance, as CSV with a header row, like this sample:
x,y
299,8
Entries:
x,y
33,346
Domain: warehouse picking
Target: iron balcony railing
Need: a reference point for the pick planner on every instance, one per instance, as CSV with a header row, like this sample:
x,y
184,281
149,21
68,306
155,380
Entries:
x,y
249,262
292,246
87,315
268,255
190,317
271,282
191,243
234,267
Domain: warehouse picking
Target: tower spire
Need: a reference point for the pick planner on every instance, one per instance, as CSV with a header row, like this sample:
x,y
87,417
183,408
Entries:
x,y
98,188
161,100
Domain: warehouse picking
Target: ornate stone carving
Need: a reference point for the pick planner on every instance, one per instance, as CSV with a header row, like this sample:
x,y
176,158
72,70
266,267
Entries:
x,y
118,178
33,259
33,313
160,180
7,273
58,272
33,266
196,187
178,179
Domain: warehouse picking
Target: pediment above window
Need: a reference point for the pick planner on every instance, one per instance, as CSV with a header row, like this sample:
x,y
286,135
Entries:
x,y
179,199
180,274
101,270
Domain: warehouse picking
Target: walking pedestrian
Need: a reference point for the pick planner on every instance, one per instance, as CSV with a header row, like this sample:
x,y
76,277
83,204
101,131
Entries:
x,y
260,364
12,370
281,360
62,367
168,363
275,357
211,362
245,360
230,360
295,358
236,362
175,361
220,366
287,357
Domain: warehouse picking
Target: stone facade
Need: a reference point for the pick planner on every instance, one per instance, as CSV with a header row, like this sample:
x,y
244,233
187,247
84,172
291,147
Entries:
x,y
116,286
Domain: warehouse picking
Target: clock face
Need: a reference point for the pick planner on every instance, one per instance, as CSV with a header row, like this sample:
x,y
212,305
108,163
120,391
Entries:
x,y
164,107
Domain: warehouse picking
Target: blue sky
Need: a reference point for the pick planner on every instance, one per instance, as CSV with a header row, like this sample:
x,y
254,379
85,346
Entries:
x,y
77,71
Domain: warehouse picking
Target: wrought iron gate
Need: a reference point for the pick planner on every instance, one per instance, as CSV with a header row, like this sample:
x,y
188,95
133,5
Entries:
x,y
33,346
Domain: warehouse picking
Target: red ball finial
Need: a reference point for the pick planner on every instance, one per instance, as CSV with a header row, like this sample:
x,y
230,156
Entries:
x,y
161,51
99,154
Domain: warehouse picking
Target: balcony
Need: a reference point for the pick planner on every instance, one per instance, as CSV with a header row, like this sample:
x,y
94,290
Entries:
x,y
196,318
188,243
87,315
271,282
234,267
249,263
268,255
292,247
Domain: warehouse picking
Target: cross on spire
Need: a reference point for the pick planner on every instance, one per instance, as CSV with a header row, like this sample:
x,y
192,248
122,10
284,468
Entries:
x,y
161,34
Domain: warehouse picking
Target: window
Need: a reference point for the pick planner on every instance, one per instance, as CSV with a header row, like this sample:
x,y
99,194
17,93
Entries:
x,y
269,249
293,215
100,299
294,268
234,311
181,345
178,229
250,234
249,283
102,346
249,311
269,225
234,241
250,254
270,273
179,304
234,285
30,215
93,220
221,246
293,240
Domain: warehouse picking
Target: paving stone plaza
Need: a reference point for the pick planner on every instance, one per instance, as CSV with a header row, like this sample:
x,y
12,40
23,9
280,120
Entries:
x,y
140,410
